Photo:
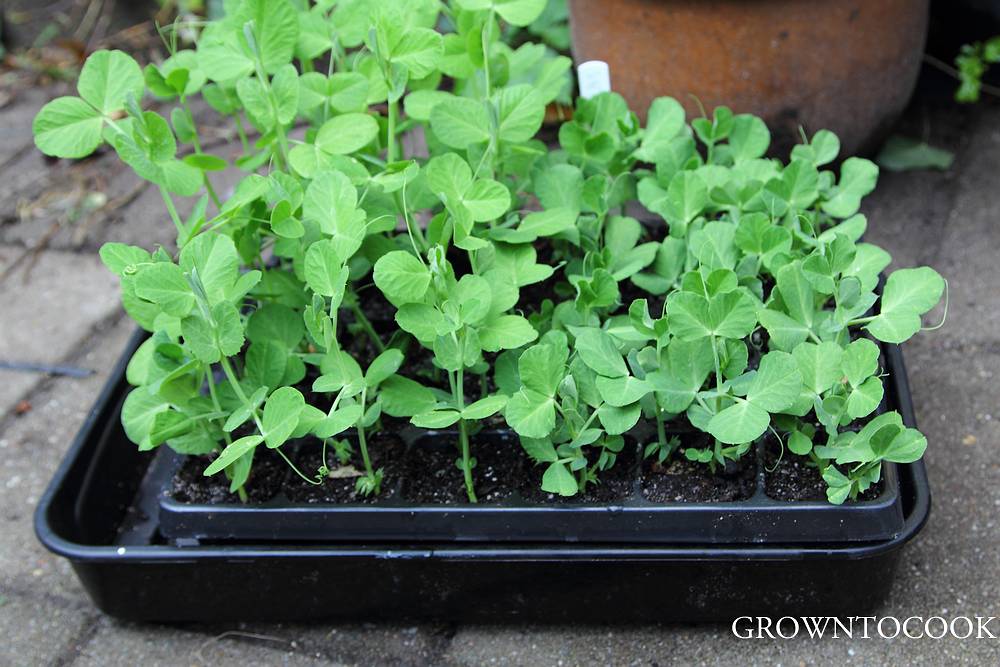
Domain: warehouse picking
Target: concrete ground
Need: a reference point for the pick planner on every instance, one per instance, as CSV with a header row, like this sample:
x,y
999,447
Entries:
x,y
58,305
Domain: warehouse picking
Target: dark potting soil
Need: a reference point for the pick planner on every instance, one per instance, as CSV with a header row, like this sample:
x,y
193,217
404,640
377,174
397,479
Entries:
x,y
267,477
376,307
386,452
681,480
613,485
431,476
789,476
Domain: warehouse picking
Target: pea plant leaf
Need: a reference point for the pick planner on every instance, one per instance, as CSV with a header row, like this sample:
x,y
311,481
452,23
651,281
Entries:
x,y
515,12
402,277
908,294
107,80
460,122
68,127
232,453
281,415
857,179
773,387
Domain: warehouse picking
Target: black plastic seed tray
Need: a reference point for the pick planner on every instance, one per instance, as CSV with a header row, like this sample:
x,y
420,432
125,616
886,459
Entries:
x,y
633,520
94,514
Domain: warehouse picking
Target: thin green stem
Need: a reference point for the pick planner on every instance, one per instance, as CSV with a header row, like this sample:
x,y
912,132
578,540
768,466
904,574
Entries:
x,y
661,433
172,210
305,478
487,34
590,420
463,432
242,133
326,466
365,323
238,390
241,490
412,230
196,142
362,442
390,134
279,129
718,373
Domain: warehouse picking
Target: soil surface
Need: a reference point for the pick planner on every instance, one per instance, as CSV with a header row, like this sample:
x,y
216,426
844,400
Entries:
x,y
271,477
385,451
681,480
431,476
789,476
267,478
426,473
614,485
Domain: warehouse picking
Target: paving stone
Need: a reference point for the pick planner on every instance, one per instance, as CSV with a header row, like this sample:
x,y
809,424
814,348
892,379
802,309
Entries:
x,y
39,629
31,446
117,644
367,644
16,118
49,313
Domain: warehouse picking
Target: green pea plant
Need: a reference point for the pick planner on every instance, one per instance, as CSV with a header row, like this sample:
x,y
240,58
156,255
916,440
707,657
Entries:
x,y
971,64
403,245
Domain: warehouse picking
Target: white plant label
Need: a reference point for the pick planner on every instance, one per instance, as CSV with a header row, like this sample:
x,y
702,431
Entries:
x,y
594,77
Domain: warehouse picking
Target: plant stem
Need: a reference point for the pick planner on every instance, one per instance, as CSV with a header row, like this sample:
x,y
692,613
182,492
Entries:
x,y
172,210
279,129
361,437
412,230
241,490
487,33
718,374
244,142
463,433
196,142
463,437
314,482
238,390
390,135
365,323
661,434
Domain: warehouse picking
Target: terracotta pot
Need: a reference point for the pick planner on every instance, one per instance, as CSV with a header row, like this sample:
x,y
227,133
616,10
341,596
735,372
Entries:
x,y
845,65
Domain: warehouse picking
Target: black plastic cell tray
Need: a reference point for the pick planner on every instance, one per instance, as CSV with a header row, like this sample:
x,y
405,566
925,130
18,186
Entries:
x,y
634,519
93,514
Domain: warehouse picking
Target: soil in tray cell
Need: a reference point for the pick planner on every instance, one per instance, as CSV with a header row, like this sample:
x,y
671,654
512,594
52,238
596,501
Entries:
x,y
788,476
613,485
267,477
386,451
431,476
681,480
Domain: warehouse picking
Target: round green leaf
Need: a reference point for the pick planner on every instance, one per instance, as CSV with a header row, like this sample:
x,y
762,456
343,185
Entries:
x,y
460,122
67,127
324,272
281,415
347,133
107,79
402,277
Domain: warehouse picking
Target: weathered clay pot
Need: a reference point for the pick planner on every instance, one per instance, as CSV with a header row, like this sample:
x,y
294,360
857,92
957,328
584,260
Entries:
x,y
845,65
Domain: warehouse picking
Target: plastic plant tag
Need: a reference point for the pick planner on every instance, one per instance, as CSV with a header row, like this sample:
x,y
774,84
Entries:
x,y
594,77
